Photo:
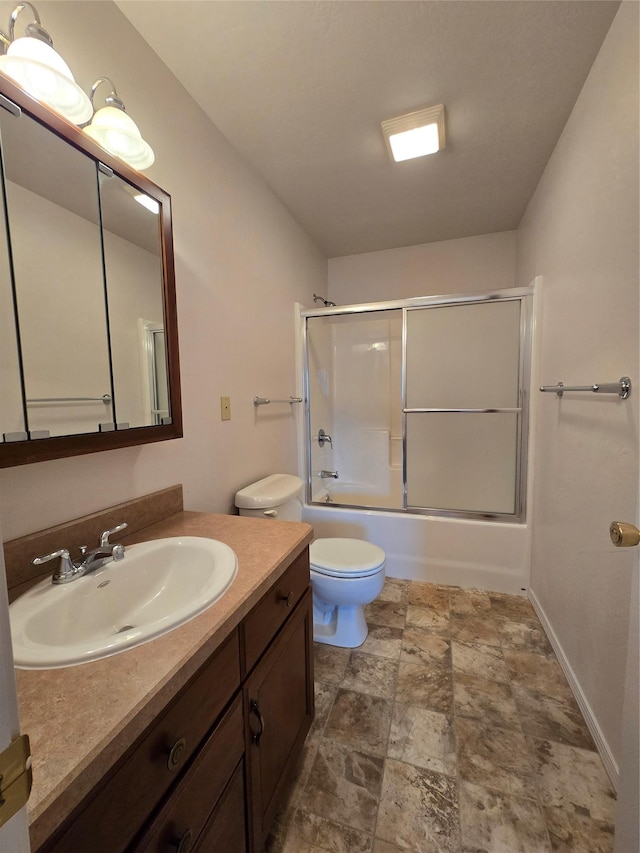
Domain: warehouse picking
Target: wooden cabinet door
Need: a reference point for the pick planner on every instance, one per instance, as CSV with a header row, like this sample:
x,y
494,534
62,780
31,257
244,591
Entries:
x,y
278,707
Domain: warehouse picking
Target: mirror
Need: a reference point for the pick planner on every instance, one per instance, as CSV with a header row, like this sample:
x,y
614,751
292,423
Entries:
x,y
51,197
88,335
133,269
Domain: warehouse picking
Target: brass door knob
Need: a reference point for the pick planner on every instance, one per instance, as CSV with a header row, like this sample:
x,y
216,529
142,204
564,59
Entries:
x,y
624,535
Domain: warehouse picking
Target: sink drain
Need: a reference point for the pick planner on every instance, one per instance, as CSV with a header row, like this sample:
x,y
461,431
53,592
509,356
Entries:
x,y
125,628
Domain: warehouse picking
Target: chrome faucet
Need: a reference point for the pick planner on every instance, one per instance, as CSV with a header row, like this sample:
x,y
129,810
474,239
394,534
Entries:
x,y
329,475
69,570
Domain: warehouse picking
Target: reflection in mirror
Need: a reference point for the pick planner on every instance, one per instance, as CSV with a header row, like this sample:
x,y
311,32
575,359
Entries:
x,y
154,359
12,418
52,206
133,266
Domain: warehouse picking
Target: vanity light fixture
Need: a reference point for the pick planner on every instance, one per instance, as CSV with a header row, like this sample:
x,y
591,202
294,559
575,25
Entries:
x,y
32,62
415,134
116,132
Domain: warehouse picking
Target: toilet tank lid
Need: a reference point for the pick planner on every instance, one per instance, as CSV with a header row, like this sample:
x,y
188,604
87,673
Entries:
x,y
271,491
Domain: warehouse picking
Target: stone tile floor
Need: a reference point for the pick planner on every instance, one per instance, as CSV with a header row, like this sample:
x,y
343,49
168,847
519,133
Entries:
x,y
452,730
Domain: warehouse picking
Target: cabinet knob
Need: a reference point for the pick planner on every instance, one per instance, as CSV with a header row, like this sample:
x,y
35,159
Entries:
x,y
288,598
183,844
176,753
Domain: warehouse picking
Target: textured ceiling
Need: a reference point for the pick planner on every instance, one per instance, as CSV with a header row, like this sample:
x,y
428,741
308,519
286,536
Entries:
x,y
300,87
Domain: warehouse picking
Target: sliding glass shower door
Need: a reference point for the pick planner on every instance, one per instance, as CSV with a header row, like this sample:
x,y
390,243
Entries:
x,y
355,397
420,406
462,407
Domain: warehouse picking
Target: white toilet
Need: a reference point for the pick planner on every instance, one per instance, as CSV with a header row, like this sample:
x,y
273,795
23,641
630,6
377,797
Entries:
x,y
346,574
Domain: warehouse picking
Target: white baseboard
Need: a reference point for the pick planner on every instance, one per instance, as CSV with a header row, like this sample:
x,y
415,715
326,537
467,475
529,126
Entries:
x,y
610,764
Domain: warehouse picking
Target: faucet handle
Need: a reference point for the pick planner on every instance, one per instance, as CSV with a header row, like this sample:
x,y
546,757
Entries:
x,y
323,438
65,571
104,536
62,553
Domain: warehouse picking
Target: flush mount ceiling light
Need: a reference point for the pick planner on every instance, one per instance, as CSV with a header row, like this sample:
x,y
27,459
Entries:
x,y
33,63
415,134
116,132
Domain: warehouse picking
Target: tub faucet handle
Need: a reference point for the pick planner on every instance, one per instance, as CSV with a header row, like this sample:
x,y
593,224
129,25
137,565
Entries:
x,y
324,438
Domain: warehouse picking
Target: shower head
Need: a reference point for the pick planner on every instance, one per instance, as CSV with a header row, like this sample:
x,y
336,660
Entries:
x,y
326,302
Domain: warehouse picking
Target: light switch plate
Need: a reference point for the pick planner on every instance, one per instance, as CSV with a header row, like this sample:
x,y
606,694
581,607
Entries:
x,y
225,408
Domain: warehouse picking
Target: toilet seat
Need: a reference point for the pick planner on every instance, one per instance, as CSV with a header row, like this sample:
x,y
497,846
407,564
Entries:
x,y
346,558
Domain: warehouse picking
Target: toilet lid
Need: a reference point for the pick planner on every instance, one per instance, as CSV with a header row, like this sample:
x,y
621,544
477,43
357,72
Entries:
x,y
350,558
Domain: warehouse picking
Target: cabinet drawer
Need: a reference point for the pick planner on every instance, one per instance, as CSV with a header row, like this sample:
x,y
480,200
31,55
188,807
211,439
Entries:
x,y
259,627
133,791
184,817
226,830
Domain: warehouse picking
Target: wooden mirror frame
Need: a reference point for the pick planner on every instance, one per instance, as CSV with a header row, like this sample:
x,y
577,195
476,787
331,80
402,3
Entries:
x,y
57,447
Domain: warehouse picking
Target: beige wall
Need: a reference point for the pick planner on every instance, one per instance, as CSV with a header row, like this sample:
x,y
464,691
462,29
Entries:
x,y
580,234
470,264
241,263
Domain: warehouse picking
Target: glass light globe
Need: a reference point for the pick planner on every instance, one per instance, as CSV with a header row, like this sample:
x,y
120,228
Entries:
x,y
42,72
118,134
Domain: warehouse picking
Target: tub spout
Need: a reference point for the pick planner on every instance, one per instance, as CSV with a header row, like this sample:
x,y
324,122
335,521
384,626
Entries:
x,y
326,475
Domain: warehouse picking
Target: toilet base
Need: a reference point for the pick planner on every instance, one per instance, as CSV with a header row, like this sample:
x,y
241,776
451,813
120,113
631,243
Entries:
x,y
341,625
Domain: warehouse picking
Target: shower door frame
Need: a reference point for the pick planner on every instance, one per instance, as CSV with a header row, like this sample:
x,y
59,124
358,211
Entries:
x,y
522,294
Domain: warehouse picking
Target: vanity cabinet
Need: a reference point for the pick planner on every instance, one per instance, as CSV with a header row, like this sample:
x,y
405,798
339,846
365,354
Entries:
x,y
207,775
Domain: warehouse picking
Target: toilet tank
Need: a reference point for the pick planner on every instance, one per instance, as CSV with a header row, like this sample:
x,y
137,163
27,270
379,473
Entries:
x,y
277,496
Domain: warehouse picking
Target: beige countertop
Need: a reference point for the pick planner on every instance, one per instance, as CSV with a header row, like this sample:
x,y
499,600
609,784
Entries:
x,y
82,719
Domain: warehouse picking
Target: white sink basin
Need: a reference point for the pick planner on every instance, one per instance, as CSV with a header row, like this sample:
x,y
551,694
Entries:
x,y
157,587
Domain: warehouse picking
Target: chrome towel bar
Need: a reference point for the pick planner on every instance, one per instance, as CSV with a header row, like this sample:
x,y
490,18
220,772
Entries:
x,y
622,388
263,401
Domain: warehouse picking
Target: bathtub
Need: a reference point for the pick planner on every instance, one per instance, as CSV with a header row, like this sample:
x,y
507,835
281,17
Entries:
x,y
457,552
